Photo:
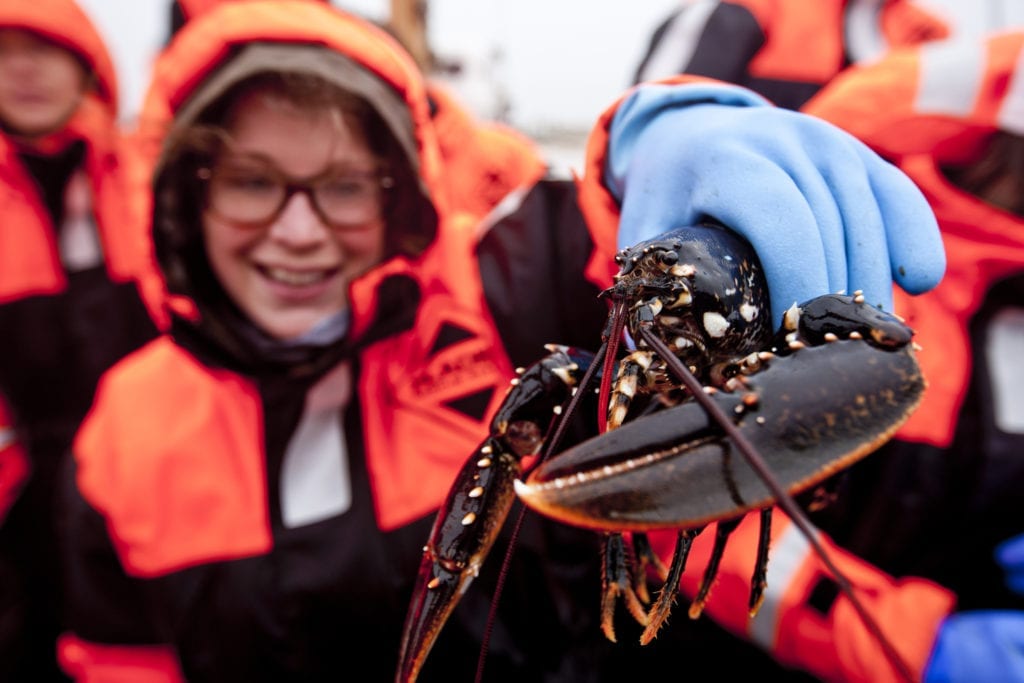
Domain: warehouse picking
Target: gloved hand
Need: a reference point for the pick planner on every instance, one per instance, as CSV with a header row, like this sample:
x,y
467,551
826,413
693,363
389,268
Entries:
x,y
823,212
988,645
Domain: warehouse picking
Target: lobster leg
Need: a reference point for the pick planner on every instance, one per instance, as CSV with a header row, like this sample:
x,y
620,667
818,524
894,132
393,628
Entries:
x,y
723,530
667,596
478,502
616,582
645,558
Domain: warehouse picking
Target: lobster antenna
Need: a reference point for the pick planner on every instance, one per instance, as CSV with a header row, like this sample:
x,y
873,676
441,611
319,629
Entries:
x,y
617,322
782,497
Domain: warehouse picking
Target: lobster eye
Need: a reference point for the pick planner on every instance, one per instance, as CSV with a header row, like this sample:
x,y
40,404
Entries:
x,y
669,258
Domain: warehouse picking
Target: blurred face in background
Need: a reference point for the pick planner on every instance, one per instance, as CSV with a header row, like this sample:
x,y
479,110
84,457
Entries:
x,y
41,83
292,212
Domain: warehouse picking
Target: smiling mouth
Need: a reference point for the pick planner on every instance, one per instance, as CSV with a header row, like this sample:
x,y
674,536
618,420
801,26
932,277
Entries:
x,y
297,278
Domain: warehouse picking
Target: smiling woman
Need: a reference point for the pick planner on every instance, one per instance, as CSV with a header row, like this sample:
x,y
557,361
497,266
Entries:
x,y
285,265
302,187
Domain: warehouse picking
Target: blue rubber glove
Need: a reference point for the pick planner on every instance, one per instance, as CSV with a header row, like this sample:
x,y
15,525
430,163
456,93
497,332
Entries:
x,y
824,213
1010,554
984,645
975,647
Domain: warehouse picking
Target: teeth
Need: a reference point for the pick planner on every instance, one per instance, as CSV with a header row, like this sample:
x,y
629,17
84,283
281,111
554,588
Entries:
x,y
293,277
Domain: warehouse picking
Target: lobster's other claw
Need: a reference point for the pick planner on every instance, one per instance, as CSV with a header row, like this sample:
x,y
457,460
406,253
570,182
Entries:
x,y
810,414
464,531
469,520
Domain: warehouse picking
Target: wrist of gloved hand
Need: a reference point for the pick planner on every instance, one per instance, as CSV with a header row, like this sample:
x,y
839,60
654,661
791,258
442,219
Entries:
x,y
978,647
823,212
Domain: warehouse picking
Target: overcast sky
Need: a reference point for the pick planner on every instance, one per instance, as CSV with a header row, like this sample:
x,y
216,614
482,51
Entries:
x,y
556,63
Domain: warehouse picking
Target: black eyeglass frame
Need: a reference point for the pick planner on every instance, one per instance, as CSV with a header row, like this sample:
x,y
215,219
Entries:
x,y
292,186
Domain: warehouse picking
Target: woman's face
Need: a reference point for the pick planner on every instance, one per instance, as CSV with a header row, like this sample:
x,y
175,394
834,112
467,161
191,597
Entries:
x,y
40,83
290,270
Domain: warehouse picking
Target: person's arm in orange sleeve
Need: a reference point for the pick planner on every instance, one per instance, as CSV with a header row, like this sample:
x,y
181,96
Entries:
x,y
805,620
87,662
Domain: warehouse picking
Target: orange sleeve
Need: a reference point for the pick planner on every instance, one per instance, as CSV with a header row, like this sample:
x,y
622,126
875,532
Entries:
x,y
87,662
805,621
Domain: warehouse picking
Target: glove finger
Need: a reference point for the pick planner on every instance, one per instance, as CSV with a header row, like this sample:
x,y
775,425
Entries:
x,y
1010,555
917,256
865,243
767,207
822,198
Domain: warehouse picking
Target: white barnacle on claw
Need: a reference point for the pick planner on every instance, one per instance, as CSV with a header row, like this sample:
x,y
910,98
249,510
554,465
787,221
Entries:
x,y
681,343
791,318
715,324
564,375
748,311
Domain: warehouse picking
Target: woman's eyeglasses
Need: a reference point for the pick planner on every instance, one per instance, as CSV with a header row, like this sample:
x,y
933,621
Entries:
x,y
251,193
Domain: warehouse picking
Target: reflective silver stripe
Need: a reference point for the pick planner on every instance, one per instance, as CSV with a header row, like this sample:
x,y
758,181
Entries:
x,y
677,44
788,553
1011,114
7,437
951,77
863,30
1004,350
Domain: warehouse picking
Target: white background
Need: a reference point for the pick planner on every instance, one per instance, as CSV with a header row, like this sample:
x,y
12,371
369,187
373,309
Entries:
x,y
548,67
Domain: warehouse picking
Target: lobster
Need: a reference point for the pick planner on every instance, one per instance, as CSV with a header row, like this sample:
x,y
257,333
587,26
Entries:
x,y
707,380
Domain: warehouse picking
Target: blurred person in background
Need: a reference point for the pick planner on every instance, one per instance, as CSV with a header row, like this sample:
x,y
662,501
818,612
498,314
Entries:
x,y
783,49
74,274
